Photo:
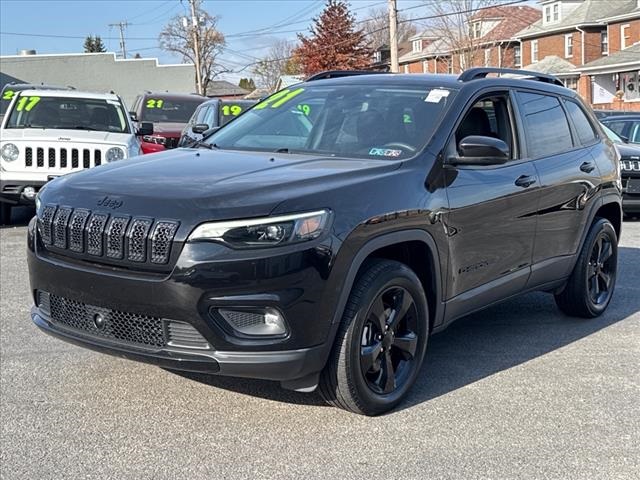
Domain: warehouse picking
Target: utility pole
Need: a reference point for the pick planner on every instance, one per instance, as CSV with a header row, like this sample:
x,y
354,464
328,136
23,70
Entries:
x,y
121,26
196,47
393,35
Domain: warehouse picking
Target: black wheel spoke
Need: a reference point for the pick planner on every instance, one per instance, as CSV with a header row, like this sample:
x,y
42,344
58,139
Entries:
x,y
369,355
606,280
403,303
388,380
378,315
595,286
407,344
591,270
605,253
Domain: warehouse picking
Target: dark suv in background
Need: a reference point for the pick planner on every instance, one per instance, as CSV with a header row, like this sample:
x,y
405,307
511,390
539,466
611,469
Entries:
x,y
319,239
169,113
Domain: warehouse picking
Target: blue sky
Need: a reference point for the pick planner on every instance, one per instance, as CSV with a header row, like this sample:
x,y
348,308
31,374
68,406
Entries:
x,y
78,18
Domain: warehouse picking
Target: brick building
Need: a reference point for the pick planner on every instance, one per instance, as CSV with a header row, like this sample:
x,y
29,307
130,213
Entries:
x,y
595,38
488,41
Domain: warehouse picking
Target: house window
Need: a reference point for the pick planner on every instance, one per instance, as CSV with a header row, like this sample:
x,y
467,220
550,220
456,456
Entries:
x,y
487,57
417,46
556,12
568,45
571,82
625,39
534,51
377,56
406,68
547,14
450,65
425,66
461,61
517,56
604,42
476,30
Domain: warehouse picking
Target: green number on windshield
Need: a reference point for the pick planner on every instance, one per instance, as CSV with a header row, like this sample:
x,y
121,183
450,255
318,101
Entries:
x,y
231,110
154,103
27,103
279,98
8,95
304,108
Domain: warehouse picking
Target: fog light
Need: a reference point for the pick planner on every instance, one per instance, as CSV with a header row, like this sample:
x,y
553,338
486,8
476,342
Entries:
x,y
268,322
29,193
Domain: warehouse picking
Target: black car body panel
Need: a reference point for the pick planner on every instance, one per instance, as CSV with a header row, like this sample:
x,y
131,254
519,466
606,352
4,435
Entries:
x,y
475,235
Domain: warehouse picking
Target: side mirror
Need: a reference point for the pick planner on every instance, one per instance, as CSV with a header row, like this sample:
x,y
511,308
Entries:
x,y
133,116
200,128
478,150
145,128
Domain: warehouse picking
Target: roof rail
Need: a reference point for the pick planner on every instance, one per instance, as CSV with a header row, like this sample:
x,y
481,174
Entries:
x,y
482,72
340,73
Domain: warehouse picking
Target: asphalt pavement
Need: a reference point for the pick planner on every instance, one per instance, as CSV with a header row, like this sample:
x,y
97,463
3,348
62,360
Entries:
x,y
517,391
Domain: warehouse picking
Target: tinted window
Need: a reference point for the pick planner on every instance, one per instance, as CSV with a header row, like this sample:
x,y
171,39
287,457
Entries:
x,y
546,126
201,113
583,127
634,133
617,127
159,109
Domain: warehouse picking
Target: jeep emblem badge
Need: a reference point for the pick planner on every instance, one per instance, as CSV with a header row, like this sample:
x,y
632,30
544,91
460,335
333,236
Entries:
x,y
98,321
110,203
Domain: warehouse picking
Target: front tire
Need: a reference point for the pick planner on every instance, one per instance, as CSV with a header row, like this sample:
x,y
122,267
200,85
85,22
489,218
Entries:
x,y
381,341
590,287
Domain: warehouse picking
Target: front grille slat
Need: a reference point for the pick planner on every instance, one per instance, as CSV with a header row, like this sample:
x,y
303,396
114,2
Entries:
x,y
97,155
161,240
95,227
115,239
28,157
115,234
137,239
74,158
116,325
60,227
86,158
40,157
52,158
63,158
630,165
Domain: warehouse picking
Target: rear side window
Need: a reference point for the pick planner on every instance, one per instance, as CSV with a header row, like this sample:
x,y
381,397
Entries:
x,y
546,126
583,126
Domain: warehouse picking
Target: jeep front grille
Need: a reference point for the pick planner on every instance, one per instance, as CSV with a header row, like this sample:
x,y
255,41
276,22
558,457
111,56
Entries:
x,y
630,165
101,237
118,325
57,158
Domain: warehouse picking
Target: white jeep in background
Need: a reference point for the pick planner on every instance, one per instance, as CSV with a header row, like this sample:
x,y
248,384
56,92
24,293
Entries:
x,y
48,133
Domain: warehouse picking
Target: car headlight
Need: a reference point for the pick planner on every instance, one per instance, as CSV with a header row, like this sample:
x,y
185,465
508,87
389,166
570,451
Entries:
x,y
265,232
9,152
115,153
158,140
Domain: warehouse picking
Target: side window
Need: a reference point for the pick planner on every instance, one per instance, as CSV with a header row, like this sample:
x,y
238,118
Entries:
x,y
617,127
581,123
488,117
200,115
634,133
545,124
210,117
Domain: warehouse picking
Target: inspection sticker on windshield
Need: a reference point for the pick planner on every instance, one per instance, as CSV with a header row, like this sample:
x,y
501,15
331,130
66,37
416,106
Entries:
x,y
436,95
385,152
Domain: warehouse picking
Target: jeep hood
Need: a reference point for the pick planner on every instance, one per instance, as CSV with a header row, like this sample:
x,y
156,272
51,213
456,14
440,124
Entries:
x,y
64,136
204,184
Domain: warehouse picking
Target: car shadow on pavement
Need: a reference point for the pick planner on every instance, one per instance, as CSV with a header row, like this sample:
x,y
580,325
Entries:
x,y
20,217
479,345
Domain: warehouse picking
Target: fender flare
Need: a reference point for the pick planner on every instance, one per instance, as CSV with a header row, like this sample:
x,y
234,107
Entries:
x,y
371,246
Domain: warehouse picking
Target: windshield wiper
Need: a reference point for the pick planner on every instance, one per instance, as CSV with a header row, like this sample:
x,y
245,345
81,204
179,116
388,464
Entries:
x,y
201,144
282,150
82,127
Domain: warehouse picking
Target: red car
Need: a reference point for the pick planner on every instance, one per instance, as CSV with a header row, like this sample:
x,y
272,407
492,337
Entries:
x,y
169,113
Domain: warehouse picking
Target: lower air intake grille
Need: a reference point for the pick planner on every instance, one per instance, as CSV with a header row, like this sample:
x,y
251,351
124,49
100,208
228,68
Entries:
x,y
116,325
182,334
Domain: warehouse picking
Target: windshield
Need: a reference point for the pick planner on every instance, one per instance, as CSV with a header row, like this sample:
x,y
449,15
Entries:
x,y
31,111
613,136
369,121
166,110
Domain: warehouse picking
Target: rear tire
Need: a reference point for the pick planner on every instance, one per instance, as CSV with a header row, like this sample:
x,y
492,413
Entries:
x,y
381,342
590,287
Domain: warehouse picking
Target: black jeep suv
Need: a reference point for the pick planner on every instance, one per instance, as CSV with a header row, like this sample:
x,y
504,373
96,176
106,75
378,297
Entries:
x,y
320,238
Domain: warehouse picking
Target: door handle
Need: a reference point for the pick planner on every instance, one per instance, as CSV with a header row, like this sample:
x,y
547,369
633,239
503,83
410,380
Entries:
x,y
587,167
525,181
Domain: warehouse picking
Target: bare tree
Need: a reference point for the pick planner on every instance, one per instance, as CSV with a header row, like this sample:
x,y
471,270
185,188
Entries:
x,y
456,22
277,62
177,37
376,27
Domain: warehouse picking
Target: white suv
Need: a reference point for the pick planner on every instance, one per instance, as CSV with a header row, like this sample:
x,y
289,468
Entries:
x,y
48,133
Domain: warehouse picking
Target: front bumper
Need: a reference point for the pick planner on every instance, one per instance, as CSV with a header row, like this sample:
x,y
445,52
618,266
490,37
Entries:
x,y
284,365
11,191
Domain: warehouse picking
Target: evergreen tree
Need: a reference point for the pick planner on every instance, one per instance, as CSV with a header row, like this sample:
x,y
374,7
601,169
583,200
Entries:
x,y
247,84
334,43
94,44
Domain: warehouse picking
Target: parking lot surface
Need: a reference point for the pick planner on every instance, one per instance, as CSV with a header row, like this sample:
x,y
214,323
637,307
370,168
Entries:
x,y
516,391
